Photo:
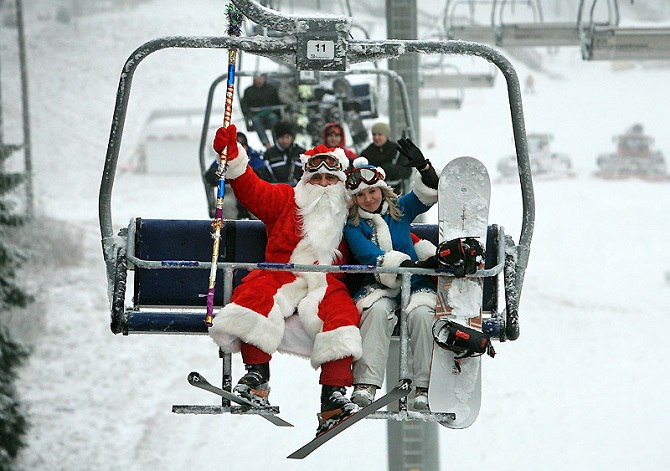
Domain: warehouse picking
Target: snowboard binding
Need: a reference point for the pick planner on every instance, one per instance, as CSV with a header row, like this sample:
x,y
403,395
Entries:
x,y
463,255
462,340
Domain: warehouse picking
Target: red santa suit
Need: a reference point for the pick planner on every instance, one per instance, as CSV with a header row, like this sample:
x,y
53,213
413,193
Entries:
x,y
254,322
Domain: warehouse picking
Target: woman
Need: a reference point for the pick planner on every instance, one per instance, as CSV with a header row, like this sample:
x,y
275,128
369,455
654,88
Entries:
x,y
378,233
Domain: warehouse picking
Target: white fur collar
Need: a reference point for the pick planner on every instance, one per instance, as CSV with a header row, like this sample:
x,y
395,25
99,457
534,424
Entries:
x,y
382,234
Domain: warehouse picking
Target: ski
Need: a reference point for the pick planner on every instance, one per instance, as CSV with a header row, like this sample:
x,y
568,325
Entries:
x,y
395,394
268,413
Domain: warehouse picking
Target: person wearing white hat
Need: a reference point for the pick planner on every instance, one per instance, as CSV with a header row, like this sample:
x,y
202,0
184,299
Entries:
x,y
304,226
378,233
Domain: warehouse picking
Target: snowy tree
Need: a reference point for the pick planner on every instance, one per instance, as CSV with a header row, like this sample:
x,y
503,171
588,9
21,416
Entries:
x,y
13,424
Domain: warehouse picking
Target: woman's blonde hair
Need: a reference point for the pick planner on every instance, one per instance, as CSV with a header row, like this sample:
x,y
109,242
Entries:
x,y
387,195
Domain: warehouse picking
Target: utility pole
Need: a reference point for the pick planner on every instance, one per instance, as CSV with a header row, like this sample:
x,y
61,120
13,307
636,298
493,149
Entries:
x,y
412,445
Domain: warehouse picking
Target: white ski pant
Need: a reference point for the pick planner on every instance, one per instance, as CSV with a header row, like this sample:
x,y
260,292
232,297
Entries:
x,y
377,323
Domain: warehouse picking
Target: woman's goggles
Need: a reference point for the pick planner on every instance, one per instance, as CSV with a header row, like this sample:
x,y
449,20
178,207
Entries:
x,y
331,163
365,175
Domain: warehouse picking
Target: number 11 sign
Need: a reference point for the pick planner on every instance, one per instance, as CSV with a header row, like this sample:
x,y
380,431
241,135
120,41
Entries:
x,y
320,50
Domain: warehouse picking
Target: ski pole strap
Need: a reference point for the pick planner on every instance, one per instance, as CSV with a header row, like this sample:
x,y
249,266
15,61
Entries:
x,y
463,255
464,341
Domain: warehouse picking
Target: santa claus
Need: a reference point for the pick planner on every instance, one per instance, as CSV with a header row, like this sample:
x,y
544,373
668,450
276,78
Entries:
x,y
304,226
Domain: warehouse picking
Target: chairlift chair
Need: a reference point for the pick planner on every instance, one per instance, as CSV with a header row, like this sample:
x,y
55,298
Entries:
x,y
166,294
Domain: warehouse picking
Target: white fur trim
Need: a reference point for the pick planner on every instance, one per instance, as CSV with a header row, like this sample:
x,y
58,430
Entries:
x,y
425,249
426,195
295,340
392,258
382,230
238,321
422,298
340,343
288,296
337,152
362,186
238,165
308,308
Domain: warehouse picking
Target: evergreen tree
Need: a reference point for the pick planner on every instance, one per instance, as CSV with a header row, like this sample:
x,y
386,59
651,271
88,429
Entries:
x,y
13,424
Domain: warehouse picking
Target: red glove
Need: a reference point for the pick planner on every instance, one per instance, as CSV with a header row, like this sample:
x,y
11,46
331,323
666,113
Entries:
x,y
226,138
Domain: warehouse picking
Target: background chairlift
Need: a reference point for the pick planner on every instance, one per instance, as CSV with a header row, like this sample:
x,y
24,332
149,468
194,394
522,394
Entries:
x,y
612,42
466,26
434,99
164,314
615,43
532,32
458,79
536,32
435,73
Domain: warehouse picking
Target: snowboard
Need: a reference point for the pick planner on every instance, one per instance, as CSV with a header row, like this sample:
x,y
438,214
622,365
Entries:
x,y
464,193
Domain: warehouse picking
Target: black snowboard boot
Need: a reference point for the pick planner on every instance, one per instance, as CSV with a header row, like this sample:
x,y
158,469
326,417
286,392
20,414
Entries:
x,y
254,386
335,407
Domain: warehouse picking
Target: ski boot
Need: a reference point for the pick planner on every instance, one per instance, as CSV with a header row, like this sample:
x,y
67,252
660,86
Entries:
x,y
254,386
363,394
335,407
421,399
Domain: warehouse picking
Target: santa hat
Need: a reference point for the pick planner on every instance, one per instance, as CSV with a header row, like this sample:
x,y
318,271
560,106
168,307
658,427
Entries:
x,y
321,149
361,163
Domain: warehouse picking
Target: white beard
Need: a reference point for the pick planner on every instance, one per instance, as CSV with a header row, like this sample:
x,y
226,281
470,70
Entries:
x,y
324,211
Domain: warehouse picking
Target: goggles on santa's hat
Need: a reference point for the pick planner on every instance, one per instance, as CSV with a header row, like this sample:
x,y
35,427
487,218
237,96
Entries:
x,y
318,161
323,159
362,176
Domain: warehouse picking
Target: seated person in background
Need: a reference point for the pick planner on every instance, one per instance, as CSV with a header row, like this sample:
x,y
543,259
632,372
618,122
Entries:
x,y
232,209
282,161
382,153
333,136
255,102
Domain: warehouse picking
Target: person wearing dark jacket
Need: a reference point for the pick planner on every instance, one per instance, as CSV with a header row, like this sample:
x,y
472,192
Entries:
x,y
259,104
282,161
382,152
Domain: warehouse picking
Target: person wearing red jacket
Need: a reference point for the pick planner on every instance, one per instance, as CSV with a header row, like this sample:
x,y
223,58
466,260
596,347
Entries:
x,y
333,136
304,225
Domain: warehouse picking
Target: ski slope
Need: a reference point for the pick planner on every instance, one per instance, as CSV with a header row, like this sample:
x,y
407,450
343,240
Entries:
x,y
584,387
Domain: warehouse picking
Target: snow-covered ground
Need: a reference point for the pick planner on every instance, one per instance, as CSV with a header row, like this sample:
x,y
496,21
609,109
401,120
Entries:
x,y
585,386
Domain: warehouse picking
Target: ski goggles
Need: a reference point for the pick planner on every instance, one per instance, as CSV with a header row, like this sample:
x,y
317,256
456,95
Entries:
x,y
357,176
331,163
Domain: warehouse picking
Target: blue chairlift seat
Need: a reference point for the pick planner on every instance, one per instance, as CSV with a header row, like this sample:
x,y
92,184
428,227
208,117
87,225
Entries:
x,y
172,300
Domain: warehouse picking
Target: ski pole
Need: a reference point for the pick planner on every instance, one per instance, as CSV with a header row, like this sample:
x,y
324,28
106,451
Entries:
x,y
234,29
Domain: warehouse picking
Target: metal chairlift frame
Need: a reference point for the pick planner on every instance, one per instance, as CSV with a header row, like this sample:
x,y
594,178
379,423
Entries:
x,y
334,32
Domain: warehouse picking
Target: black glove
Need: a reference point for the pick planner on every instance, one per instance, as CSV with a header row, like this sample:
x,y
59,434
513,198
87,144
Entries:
x,y
416,159
430,262
464,255
407,148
